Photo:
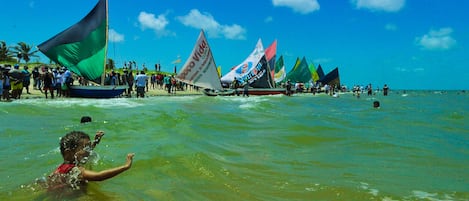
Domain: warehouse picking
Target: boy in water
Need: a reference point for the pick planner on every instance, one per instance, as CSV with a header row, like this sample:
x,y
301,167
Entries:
x,y
75,148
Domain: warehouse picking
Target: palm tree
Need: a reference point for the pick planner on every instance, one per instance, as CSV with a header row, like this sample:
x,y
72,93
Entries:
x,y
5,54
24,52
110,64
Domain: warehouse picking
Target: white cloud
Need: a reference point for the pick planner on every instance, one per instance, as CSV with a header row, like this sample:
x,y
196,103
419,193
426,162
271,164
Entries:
x,y
268,19
300,6
115,37
205,21
437,40
380,5
234,32
390,27
149,21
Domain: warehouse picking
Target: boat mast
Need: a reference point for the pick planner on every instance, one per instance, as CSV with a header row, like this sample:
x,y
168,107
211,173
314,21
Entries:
x,y
106,43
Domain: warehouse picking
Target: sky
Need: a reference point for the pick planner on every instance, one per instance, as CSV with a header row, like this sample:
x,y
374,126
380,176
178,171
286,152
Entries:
x,y
406,44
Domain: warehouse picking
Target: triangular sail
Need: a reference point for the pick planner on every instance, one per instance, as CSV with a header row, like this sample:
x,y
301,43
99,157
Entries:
x,y
289,74
300,73
314,73
259,76
332,78
271,53
280,72
320,72
82,47
200,68
247,64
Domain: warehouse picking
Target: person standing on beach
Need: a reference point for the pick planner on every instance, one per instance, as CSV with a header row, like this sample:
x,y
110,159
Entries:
x,y
385,90
58,81
37,79
235,86
26,78
246,88
16,81
67,81
49,84
288,88
6,85
173,84
153,81
130,81
167,83
369,90
141,81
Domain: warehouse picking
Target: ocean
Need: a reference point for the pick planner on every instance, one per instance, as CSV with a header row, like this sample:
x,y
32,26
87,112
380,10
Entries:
x,y
303,147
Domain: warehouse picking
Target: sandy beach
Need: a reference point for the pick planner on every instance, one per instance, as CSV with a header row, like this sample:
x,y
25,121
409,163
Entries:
x,y
151,92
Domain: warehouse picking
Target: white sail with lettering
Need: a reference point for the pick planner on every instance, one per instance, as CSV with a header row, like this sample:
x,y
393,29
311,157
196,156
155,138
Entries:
x,y
251,61
200,68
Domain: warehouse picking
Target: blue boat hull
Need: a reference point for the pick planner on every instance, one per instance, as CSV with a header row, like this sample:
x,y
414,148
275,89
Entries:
x,y
97,91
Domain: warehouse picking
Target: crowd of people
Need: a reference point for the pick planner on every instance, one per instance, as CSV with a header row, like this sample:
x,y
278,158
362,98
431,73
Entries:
x,y
53,81
142,82
56,82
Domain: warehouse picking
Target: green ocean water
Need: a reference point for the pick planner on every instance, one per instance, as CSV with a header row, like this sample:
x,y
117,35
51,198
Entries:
x,y
304,147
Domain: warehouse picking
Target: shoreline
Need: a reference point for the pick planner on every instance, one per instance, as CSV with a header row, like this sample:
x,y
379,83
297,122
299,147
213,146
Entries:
x,y
37,94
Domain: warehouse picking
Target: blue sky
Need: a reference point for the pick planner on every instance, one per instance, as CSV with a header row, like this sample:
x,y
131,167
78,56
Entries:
x,y
407,44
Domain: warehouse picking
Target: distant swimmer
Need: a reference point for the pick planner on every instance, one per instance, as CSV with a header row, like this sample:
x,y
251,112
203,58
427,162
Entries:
x,y
85,119
376,104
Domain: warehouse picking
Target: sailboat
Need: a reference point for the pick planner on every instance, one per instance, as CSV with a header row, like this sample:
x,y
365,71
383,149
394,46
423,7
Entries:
x,y
82,48
200,69
256,72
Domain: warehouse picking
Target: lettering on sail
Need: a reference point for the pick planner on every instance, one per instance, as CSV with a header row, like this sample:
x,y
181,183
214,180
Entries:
x,y
191,69
255,73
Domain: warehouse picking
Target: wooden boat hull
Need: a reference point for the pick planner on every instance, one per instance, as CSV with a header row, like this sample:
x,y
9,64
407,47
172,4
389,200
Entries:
x,y
97,91
264,91
211,92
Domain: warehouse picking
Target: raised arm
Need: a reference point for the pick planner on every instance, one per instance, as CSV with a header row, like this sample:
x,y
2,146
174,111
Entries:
x,y
97,138
106,174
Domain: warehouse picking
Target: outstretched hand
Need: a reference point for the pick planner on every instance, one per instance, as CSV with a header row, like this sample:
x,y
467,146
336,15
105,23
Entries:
x,y
99,134
97,138
130,158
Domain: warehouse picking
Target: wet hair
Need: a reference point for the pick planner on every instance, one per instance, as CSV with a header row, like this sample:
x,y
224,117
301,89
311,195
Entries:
x,y
72,140
85,119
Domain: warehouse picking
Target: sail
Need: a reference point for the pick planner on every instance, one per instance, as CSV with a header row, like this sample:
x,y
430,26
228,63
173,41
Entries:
x,y
82,47
320,72
332,78
246,65
280,73
300,73
200,68
219,71
271,53
314,73
259,76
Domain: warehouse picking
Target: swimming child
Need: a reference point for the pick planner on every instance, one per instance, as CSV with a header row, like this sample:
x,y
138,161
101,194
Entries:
x,y
75,148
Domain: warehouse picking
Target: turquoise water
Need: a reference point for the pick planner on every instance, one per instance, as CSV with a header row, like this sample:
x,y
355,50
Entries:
x,y
415,147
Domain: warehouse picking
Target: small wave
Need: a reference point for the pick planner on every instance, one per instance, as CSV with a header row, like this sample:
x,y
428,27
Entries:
x,y
72,102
